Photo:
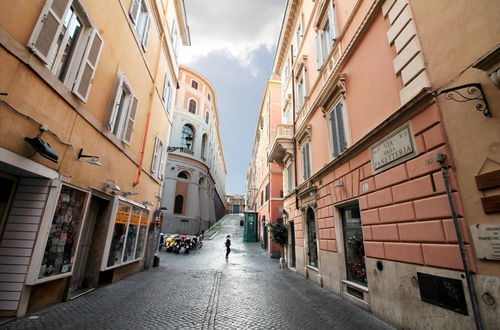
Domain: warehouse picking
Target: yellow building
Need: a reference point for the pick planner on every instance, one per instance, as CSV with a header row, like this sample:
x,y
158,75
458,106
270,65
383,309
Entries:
x,y
78,90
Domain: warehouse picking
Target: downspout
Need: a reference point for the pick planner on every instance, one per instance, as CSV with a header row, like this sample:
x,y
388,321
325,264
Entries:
x,y
294,141
148,118
441,159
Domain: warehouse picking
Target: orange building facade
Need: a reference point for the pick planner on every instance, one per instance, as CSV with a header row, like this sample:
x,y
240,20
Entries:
x,y
373,126
84,98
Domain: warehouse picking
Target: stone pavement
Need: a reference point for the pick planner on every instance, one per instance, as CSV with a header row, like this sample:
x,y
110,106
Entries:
x,y
202,290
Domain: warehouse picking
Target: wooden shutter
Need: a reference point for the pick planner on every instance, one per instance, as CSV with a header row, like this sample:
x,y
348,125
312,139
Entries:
x,y
129,127
162,160
147,25
135,6
155,155
164,93
333,124
331,21
340,127
118,88
48,27
319,53
85,76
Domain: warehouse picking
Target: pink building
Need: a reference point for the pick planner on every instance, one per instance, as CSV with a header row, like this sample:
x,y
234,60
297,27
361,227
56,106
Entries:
x,y
370,124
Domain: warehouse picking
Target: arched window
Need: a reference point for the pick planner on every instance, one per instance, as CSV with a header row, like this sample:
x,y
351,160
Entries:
x,y
179,201
192,106
187,138
194,84
208,95
312,250
183,175
207,116
203,145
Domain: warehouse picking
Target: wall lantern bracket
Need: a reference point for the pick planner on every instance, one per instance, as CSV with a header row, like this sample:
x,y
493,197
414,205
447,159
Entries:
x,y
465,93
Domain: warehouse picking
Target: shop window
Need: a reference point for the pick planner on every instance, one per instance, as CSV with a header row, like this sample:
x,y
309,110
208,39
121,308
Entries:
x,y
142,20
338,131
129,233
312,248
167,93
62,241
68,45
353,244
192,106
306,161
179,201
123,111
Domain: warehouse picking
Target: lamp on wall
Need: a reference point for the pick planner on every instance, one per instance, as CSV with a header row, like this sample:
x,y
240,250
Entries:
x,y
111,186
94,160
130,193
148,203
43,148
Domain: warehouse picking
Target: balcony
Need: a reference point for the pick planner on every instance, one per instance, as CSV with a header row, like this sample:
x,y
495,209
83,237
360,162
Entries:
x,y
281,144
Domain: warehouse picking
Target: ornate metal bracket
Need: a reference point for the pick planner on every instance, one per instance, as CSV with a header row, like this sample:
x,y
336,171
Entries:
x,y
474,93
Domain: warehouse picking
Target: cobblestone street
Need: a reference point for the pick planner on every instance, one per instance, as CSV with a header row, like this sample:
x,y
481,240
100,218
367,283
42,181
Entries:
x,y
202,290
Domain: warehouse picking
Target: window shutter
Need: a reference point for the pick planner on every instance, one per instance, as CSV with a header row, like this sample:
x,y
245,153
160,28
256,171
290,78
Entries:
x,y
333,123
169,97
155,155
162,161
340,127
319,53
88,67
165,86
135,6
48,28
147,25
331,21
127,136
115,101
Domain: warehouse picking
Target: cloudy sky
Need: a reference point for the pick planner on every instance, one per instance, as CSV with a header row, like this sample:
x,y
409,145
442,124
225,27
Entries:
x,y
233,45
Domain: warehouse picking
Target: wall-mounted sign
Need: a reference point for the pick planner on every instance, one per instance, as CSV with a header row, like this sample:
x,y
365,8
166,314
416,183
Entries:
x,y
442,291
393,149
486,241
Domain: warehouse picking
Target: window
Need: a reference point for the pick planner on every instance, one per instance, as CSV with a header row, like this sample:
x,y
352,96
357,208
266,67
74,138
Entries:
x,y
129,234
353,244
312,248
179,201
261,198
140,17
298,35
62,239
167,93
287,115
339,143
285,76
175,37
306,161
158,163
187,137
194,84
208,96
267,192
207,115
326,35
192,106
289,178
183,175
301,92
123,111
203,145
68,45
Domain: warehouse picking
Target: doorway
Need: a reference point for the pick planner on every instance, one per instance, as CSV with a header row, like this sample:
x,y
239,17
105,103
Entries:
x,y
264,233
353,244
90,250
292,245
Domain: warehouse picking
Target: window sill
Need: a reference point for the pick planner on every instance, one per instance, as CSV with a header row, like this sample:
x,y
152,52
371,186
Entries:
x,y
312,268
357,286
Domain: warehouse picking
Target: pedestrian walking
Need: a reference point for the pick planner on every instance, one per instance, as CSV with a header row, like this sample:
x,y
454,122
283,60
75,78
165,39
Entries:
x,y
228,245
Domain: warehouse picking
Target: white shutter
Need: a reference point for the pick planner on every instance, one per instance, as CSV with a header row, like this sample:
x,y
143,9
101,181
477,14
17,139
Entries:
x,y
88,67
48,28
147,25
164,93
155,155
162,161
135,6
319,53
331,21
116,101
129,126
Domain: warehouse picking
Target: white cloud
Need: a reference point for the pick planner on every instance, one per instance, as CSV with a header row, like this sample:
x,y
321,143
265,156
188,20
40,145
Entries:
x,y
236,28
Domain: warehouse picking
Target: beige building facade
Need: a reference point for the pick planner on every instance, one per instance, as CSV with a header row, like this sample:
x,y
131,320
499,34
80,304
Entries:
x,y
83,100
382,99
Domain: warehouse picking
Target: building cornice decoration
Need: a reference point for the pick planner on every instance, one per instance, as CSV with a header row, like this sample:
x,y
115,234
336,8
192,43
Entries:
x,y
331,92
286,31
305,133
490,63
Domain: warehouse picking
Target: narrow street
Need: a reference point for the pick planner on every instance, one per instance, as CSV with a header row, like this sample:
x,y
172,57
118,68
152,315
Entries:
x,y
202,290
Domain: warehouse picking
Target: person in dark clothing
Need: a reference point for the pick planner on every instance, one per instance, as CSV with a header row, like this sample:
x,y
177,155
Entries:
x,y
228,245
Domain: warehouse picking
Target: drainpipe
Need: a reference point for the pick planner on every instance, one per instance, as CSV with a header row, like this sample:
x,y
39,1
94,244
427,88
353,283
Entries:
x,y
441,159
294,141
